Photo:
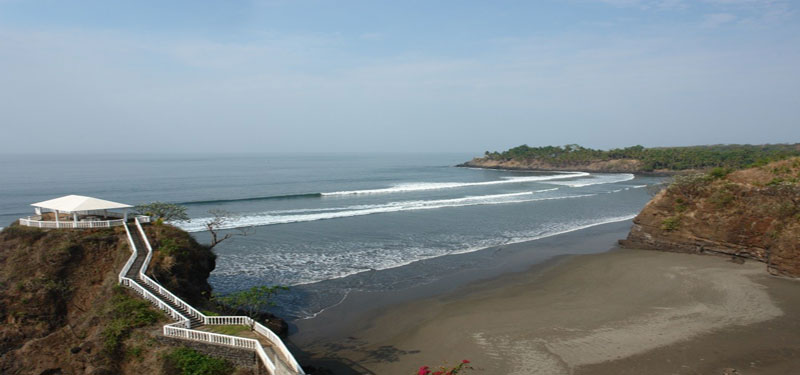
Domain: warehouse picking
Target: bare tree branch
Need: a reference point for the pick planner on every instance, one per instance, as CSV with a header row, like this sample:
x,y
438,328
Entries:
x,y
217,222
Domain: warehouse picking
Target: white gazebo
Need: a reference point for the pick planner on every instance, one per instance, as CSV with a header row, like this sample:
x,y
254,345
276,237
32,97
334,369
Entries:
x,y
85,212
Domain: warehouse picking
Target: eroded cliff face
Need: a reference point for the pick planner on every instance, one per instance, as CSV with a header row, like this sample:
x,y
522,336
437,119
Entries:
x,y
752,213
603,166
59,297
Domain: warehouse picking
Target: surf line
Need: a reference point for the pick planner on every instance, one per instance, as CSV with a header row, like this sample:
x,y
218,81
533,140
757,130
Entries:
x,y
422,186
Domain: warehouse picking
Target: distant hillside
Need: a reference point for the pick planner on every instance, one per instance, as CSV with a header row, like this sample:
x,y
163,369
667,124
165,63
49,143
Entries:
x,y
752,213
635,158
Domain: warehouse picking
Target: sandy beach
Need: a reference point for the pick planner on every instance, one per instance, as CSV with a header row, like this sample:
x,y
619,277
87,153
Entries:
x,y
620,312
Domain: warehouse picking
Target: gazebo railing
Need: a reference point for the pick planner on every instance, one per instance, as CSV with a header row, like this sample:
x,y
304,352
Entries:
x,y
69,224
37,222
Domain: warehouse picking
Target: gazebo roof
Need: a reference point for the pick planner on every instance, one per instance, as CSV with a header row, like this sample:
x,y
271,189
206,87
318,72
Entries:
x,y
75,203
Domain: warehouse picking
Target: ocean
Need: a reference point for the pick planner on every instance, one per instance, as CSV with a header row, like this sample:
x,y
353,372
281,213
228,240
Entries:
x,y
327,224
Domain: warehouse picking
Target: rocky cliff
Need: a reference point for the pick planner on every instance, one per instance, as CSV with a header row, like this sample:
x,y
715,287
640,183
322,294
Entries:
x,y
601,166
752,213
63,313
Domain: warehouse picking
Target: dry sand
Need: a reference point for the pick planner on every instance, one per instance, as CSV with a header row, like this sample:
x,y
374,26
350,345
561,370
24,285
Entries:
x,y
626,311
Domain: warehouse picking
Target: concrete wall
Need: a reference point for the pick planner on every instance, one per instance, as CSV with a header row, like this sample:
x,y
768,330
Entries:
x,y
242,358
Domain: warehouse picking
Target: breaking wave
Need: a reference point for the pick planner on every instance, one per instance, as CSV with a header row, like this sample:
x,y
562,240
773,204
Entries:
x,y
339,264
422,186
306,215
595,180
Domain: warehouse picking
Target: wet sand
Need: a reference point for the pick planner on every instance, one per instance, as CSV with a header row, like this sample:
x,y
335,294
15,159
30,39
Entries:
x,y
620,312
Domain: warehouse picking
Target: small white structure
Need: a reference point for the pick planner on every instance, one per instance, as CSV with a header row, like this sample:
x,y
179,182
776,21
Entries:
x,y
85,212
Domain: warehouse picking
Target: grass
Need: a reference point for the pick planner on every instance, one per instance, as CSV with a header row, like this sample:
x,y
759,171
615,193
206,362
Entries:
x,y
233,330
191,362
125,313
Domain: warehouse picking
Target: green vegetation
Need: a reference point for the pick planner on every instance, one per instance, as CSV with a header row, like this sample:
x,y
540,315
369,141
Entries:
x,y
680,205
723,196
171,247
719,172
186,361
125,313
233,330
671,223
251,301
162,211
27,235
725,157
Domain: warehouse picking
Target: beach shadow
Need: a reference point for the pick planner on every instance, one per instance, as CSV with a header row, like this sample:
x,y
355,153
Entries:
x,y
329,360
386,353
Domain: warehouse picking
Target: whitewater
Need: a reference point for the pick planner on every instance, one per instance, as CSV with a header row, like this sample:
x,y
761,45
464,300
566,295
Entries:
x,y
305,215
327,223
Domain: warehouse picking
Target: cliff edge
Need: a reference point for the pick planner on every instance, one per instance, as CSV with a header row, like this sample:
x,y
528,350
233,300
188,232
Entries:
x,y
752,213
63,312
599,166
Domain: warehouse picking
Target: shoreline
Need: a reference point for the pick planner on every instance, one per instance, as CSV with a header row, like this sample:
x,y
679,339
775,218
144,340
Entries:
x,y
469,268
562,170
603,312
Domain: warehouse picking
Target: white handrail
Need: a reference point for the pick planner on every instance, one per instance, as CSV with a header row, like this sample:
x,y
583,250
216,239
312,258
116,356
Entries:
x,y
185,332
278,343
216,338
155,285
175,315
67,224
130,261
228,320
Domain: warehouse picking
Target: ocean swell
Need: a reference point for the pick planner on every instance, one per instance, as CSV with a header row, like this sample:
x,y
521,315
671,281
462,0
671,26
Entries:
x,y
311,268
305,215
423,186
596,179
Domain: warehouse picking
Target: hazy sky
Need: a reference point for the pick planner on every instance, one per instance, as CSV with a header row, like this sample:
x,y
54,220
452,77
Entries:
x,y
404,75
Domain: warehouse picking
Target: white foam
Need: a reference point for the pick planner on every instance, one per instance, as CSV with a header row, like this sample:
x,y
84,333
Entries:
x,y
306,215
423,186
596,180
299,268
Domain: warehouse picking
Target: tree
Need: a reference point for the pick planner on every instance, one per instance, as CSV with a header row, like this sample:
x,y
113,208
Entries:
x,y
217,221
162,211
253,300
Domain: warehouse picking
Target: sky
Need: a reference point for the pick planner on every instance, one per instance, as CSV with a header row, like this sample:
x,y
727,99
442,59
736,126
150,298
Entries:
x,y
395,76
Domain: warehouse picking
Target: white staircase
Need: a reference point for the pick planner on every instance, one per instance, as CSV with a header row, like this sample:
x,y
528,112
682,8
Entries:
x,y
271,350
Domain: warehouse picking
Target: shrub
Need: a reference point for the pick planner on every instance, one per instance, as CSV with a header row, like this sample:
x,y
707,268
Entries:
x,y
680,205
719,172
125,313
27,235
162,211
722,197
251,301
169,247
671,223
688,185
192,362
464,365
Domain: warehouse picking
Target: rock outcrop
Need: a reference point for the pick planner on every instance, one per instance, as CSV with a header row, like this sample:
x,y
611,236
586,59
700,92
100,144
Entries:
x,y
601,166
60,301
752,213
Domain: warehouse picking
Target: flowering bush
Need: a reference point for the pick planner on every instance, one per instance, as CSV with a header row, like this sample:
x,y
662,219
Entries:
x,y
464,365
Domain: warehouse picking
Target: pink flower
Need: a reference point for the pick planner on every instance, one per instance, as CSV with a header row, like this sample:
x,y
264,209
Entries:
x,y
465,361
423,371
